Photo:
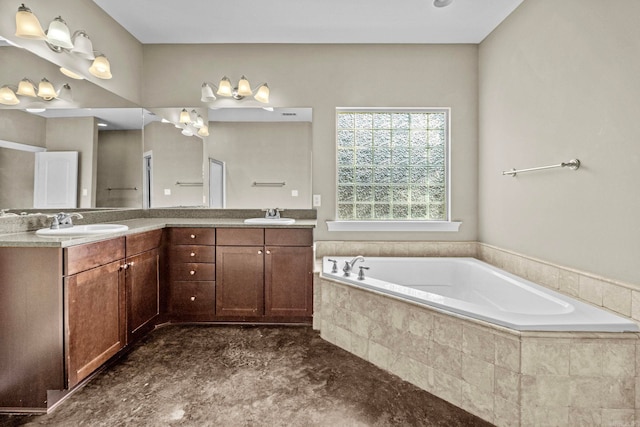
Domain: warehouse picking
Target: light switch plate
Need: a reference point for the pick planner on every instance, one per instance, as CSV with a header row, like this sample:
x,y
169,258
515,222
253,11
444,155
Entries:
x,y
317,200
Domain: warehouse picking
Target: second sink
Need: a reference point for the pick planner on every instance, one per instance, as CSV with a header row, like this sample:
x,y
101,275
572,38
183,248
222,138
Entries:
x,y
82,230
272,221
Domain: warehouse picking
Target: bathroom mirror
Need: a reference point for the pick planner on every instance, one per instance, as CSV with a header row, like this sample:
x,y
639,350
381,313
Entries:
x,y
249,152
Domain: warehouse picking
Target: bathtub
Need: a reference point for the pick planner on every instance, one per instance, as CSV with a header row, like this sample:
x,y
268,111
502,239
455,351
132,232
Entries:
x,y
466,287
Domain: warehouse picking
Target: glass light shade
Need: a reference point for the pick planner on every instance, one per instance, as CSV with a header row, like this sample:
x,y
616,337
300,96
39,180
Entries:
x,y
67,72
82,46
207,93
101,68
244,88
7,96
187,132
46,90
203,131
224,88
58,34
199,122
26,88
65,93
27,25
263,94
185,117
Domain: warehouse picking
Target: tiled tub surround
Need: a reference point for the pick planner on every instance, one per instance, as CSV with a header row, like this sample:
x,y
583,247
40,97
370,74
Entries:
x,y
507,377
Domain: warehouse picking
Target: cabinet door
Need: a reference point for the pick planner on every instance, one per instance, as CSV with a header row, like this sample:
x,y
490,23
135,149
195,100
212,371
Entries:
x,y
239,281
288,281
94,319
142,293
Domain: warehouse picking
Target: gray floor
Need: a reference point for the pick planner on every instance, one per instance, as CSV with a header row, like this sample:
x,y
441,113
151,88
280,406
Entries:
x,y
246,376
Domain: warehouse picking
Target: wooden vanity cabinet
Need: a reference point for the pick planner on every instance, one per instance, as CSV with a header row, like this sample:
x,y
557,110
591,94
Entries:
x,y
142,282
192,269
264,274
94,306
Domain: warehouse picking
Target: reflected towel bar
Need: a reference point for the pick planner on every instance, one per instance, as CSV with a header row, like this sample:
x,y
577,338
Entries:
x,y
123,188
189,184
572,164
269,184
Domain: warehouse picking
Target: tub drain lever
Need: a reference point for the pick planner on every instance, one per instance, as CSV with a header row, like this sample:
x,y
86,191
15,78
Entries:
x,y
361,273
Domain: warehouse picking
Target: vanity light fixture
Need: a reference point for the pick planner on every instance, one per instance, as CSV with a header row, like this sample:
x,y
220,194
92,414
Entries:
x,y
101,68
191,123
26,88
67,72
27,24
8,96
58,34
82,45
225,88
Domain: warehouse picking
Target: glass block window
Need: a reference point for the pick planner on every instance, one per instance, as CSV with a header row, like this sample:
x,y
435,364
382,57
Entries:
x,y
392,164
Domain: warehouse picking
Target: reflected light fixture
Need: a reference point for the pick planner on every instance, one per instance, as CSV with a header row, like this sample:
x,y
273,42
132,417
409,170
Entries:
x,y
101,67
58,34
46,90
185,117
8,96
26,88
226,89
203,131
64,94
191,123
27,24
67,72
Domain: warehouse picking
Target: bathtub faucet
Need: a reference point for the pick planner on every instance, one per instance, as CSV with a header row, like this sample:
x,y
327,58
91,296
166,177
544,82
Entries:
x,y
348,265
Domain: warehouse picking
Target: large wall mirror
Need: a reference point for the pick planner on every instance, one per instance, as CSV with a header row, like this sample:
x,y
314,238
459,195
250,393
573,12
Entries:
x,y
129,157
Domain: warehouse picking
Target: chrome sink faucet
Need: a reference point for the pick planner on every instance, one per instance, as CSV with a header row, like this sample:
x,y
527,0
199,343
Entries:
x,y
348,265
272,213
63,220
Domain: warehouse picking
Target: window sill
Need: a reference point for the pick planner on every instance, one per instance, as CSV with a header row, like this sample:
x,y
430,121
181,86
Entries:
x,y
449,226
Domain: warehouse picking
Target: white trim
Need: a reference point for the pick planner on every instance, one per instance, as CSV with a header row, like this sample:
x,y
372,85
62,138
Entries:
x,y
21,147
394,225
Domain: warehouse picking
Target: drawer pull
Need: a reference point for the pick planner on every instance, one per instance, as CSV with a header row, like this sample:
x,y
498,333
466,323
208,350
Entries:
x,y
192,272
259,252
192,254
268,252
193,236
193,298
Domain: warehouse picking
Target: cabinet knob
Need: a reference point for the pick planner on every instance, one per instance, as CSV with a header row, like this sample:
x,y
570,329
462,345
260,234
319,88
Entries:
x,y
192,254
268,252
259,252
193,236
131,264
124,267
193,298
192,272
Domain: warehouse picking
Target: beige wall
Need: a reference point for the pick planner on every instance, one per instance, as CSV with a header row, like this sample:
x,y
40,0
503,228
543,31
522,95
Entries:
x,y
121,48
84,139
119,166
559,80
263,152
328,76
175,158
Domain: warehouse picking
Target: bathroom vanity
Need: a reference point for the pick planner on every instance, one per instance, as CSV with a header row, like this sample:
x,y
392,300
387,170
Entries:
x,y
68,306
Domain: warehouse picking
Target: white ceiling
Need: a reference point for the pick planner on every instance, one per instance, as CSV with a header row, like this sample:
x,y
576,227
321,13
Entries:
x,y
308,21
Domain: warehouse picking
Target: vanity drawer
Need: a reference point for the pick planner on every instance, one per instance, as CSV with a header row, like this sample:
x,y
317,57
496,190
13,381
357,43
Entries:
x,y
192,298
192,271
85,257
192,236
240,236
288,236
192,253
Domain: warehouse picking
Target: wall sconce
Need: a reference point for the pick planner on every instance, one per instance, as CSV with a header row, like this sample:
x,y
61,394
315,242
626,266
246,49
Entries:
x,y
59,39
26,88
225,88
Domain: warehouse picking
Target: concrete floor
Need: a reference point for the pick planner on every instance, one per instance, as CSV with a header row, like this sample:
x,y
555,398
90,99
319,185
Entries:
x,y
246,376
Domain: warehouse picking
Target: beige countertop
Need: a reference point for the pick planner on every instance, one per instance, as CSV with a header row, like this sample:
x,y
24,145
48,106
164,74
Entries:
x,y
30,239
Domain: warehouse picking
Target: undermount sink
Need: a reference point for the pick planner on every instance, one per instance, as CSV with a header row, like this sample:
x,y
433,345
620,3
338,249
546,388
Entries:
x,y
82,230
270,221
